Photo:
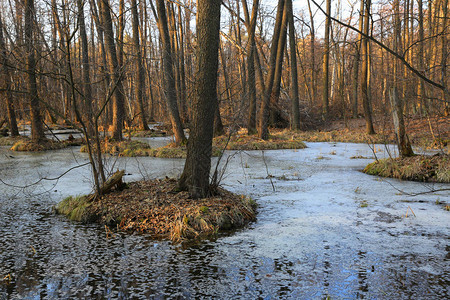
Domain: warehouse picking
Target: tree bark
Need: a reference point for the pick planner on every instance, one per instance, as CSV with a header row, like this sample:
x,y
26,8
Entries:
x,y
421,93
251,49
6,84
87,90
169,79
65,91
326,64
276,119
37,129
295,124
195,177
313,56
263,128
444,54
118,98
139,87
404,146
365,71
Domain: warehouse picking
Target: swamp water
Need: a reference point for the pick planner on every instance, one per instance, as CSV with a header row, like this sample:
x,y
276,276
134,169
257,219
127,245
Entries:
x,y
326,230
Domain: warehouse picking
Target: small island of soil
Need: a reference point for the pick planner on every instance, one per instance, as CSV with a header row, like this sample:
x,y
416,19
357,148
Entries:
x,y
153,207
424,168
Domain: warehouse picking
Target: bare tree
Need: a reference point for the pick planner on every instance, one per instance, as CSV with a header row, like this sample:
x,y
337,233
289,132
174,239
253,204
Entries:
x,y
37,129
263,129
365,69
115,69
169,79
326,64
195,177
140,85
6,84
295,123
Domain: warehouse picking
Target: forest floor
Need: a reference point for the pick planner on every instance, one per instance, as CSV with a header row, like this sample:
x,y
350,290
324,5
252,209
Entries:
x,y
425,133
153,207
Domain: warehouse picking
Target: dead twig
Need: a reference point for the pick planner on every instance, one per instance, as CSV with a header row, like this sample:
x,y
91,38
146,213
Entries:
x,y
267,171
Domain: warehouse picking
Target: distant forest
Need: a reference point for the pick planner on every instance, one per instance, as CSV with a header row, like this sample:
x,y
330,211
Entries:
x,y
127,63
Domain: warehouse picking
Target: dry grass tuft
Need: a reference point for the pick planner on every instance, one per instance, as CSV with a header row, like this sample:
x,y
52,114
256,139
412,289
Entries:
x,y
423,168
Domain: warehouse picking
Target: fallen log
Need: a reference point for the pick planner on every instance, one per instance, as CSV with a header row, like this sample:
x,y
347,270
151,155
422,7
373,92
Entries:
x,y
115,180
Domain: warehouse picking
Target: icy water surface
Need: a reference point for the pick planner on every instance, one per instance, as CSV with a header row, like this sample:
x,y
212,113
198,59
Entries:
x,y
326,230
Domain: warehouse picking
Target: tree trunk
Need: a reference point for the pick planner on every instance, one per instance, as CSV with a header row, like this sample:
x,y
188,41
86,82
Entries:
x,y
118,99
365,72
6,84
195,177
403,143
218,125
313,56
183,104
404,146
421,93
169,81
263,129
326,64
37,129
87,90
295,124
104,65
276,119
251,48
65,91
139,87
444,54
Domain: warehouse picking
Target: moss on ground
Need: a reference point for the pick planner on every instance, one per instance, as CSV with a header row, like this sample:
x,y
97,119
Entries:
x,y
422,168
76,209
153,207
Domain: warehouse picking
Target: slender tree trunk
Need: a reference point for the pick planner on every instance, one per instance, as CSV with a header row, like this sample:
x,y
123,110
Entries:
x,y
313,55
251,49
169,81
355,84
140,85
275,115
37,129
295,124
65,91
404,146
263,129
6,84
421,89
87,90
118,99
326,64
195,177
120,32
365,72
104,65
183,105
444,55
